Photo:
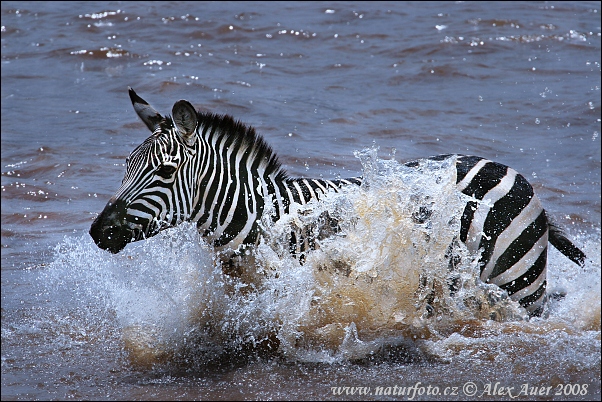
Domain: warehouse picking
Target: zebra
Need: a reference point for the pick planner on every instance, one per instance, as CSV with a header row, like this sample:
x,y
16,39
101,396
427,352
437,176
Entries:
x,y
215,171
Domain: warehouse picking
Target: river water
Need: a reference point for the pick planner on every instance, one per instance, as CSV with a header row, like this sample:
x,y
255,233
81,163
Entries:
x,y
338,89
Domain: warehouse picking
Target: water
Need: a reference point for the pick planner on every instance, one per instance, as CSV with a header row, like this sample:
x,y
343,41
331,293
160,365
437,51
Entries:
x,y
515,82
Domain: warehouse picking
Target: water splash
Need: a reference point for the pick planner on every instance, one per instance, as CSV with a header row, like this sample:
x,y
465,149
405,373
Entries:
x,y
380,280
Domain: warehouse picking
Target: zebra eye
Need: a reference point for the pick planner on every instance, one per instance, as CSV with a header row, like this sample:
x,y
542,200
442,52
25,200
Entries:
x,y
165,171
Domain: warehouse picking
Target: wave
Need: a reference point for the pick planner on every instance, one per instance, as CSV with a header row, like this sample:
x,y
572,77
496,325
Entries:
x,y
380,283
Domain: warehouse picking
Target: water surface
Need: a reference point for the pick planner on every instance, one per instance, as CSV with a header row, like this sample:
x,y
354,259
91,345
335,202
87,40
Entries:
x,y
515,82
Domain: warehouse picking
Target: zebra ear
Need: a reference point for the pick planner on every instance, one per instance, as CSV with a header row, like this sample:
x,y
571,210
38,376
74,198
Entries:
x,y
185,119
146,112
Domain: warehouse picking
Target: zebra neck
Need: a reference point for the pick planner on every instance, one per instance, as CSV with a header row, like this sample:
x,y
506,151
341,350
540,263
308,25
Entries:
x,y
302,190
239,171
236,171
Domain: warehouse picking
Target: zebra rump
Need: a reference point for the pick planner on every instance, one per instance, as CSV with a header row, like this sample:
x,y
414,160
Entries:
x,y
217,172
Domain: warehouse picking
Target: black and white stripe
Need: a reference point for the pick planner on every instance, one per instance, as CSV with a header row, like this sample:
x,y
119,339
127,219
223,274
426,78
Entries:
x,y
204,168
217,172
509,226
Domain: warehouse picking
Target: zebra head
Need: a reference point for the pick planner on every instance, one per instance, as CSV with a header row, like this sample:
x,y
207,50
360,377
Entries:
x,y
156,192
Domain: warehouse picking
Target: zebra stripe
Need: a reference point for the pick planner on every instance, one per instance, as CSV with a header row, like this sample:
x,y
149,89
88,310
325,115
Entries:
x,y
508,225
217,172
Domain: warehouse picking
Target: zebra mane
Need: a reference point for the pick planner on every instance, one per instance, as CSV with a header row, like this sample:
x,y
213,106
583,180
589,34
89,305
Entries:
x,y
240,136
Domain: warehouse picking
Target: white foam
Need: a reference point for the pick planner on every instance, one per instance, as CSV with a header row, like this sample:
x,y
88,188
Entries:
x,y
382,279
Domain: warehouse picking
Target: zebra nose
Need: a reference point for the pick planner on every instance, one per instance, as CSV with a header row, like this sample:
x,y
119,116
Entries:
x,y
106,237
109,230
111,238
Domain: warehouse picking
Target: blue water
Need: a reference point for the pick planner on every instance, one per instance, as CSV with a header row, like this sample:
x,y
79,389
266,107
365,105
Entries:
x,y
517,82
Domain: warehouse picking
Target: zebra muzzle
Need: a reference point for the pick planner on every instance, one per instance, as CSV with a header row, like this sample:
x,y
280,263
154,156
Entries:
x,y
110,230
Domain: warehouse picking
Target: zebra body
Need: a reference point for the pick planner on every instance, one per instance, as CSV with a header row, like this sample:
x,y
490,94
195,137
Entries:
x,y
217,172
